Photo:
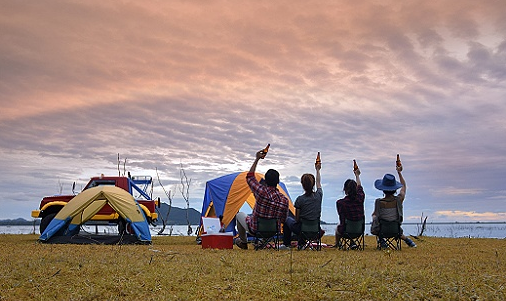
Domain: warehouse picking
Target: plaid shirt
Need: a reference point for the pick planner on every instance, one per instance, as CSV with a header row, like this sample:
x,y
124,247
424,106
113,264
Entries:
x,y
270,203
350,209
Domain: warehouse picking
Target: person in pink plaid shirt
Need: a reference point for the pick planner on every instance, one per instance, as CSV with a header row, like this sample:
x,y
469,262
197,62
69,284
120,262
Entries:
x,y
270,202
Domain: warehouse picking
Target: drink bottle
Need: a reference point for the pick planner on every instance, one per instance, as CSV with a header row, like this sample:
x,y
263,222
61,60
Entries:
x,y
355,166
398,162
265,150
318,159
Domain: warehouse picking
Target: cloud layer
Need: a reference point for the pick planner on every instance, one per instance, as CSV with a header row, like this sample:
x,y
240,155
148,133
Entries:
x,y
207,84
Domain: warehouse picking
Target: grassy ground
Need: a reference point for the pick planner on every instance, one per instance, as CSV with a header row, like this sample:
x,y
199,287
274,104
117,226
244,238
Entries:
x,y
175,268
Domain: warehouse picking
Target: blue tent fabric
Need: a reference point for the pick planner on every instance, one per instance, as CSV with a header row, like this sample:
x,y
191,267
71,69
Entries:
x,y
54,226
218,193
217,190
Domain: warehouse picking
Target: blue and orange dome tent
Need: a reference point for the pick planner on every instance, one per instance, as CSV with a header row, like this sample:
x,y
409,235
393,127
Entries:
x,y
224,196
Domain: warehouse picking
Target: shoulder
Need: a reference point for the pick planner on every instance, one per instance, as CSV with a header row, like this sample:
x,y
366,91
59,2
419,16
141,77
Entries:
x,y
279,193
251,179
299,200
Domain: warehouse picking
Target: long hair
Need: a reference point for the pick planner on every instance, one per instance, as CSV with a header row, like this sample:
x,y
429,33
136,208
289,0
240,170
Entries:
x,y
350,188
307,180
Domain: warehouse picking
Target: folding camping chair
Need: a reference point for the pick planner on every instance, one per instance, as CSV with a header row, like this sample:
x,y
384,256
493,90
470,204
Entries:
x,y
353,236
267,234
309,236
389,235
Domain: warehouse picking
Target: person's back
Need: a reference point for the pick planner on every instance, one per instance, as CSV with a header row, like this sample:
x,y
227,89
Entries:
x,y
308,206
270,202
390,207
350,207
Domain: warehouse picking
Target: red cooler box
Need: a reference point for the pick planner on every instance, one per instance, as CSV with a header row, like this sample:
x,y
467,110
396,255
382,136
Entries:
x,y
217,240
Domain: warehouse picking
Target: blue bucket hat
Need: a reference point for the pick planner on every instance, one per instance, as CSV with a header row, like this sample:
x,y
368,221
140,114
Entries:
x,y
388,183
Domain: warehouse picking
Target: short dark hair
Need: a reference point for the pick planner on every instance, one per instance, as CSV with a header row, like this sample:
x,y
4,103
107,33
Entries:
x,y
307,180
272,178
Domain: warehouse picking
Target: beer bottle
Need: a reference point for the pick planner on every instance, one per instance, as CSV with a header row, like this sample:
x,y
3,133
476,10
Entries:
x,y
318,159
355,166
265,150
398,162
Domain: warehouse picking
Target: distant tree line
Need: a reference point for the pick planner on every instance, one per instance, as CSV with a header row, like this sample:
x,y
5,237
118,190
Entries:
x,y
18,222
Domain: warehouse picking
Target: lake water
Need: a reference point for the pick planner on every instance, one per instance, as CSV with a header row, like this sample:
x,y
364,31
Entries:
x,y
475,230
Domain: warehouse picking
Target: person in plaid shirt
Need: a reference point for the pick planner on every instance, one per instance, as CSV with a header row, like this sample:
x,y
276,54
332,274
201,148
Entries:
x,y
352,205
270,202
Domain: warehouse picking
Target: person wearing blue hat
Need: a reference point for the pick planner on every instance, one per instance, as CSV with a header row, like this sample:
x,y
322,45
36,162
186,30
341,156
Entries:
x,y
390,207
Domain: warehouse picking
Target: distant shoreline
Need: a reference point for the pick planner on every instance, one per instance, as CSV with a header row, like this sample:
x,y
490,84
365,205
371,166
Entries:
x,y
24,222
438,223
19,222
443,223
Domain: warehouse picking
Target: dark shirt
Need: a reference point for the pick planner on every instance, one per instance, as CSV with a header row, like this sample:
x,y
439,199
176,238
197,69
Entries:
x,y
310,206
350,209
270,203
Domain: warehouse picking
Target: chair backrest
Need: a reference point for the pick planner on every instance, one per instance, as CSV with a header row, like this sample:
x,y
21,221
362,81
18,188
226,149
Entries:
x,y
354,227
389,228
309,226
267,225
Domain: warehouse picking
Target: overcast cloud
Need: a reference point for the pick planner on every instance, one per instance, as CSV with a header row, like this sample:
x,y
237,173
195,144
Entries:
x,y
206,84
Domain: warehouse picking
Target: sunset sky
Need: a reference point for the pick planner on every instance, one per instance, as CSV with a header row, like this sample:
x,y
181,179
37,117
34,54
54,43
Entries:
x,y
206,84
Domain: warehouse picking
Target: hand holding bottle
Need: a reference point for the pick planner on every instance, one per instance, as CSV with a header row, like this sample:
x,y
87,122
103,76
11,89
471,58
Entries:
x,y
398,164
356,170
264,151
318,162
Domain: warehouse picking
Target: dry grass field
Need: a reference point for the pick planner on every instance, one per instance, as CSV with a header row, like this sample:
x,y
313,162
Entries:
x,y
175,268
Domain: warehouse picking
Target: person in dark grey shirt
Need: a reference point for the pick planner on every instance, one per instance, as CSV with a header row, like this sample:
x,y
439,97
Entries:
x,y
307,206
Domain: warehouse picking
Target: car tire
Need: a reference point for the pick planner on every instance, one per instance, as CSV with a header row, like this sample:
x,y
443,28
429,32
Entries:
x,y
123,227
46,220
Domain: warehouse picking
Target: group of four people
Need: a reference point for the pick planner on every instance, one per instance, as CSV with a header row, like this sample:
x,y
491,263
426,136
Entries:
x,y
271,203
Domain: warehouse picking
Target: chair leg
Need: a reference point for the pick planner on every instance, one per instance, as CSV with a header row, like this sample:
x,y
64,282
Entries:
x,y
306,242
260,243
393,243
347,243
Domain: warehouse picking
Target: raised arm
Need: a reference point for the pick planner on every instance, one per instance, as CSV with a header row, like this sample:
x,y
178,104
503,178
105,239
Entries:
x,y
318,176
357,176
402,192
258,157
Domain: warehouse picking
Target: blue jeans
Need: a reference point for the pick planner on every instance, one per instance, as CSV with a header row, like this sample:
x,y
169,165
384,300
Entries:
x,y
290,226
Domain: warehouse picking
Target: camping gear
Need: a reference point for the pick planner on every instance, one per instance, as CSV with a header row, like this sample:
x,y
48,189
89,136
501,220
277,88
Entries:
x,y
309,236
353,236
389,235
267,234
224,197
218,240
82,207
212,237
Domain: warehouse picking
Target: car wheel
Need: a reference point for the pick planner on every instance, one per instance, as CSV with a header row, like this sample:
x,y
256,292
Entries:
x,y
123,227
45,222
